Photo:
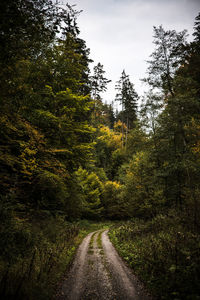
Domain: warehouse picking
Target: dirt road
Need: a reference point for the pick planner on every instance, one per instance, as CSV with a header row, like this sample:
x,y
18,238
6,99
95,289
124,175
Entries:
x,y
99,273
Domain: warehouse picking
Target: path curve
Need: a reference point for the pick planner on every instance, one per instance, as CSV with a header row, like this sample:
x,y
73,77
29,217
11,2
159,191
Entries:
x,y
98,273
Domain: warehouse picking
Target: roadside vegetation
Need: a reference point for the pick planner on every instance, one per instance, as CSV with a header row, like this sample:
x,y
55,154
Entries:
x,y
66,156
36,252
163,253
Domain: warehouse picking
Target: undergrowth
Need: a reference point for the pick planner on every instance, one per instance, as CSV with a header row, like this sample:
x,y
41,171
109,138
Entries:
x,y
35,253
164,253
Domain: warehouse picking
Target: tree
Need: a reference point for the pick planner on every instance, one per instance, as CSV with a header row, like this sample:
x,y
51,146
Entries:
x,y
147,198
108,151
128,98
168,71
46,135
91,187
196,33
98,82
114,206
169,54
27,29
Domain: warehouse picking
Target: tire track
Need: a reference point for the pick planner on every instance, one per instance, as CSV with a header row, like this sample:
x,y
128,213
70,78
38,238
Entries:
x,y
73,285
98,280
125,283
98,273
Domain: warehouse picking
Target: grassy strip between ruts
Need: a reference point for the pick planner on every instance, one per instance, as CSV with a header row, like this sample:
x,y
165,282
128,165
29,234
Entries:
x,y
99,240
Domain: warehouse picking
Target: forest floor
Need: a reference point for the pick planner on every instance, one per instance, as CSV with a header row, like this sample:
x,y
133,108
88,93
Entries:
x,y
99,273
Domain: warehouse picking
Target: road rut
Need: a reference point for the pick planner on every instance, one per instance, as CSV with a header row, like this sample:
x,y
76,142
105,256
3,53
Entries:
x,y
99,273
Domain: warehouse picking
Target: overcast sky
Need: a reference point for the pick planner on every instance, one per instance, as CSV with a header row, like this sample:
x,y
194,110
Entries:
x,y
119,32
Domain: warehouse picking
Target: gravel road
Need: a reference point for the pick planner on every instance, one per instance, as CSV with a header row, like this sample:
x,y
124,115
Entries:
x,y
99,273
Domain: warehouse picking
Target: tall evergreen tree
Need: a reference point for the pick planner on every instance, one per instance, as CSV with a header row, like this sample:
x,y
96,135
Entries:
x,y
98,81
196,33
128,98
168,71
98,84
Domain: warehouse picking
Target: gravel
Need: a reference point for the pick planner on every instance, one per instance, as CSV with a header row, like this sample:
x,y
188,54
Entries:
x,y
98,273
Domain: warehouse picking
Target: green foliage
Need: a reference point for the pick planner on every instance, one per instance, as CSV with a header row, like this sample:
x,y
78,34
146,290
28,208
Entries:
x,y
128,99
147,198
137,140
170,52
109,152
163,252
98,81
50,190
114,206
163,245
91,187
55,167
36,251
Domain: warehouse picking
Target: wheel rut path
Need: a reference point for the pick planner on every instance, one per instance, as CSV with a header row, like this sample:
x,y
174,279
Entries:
x,y
99,273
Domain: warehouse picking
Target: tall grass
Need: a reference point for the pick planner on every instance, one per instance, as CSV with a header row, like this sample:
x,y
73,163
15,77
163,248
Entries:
x,y
35,253
164,253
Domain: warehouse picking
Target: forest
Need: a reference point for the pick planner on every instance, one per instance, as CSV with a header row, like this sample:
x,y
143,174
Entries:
x,y
69,162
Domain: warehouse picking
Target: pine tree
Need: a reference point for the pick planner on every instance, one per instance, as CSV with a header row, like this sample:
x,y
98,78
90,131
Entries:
x,y
98,81
98,84
169,71
196,33
128,98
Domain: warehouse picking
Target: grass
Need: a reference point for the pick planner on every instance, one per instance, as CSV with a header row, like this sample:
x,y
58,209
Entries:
x,y
91,244
35,253
99,241
164,253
